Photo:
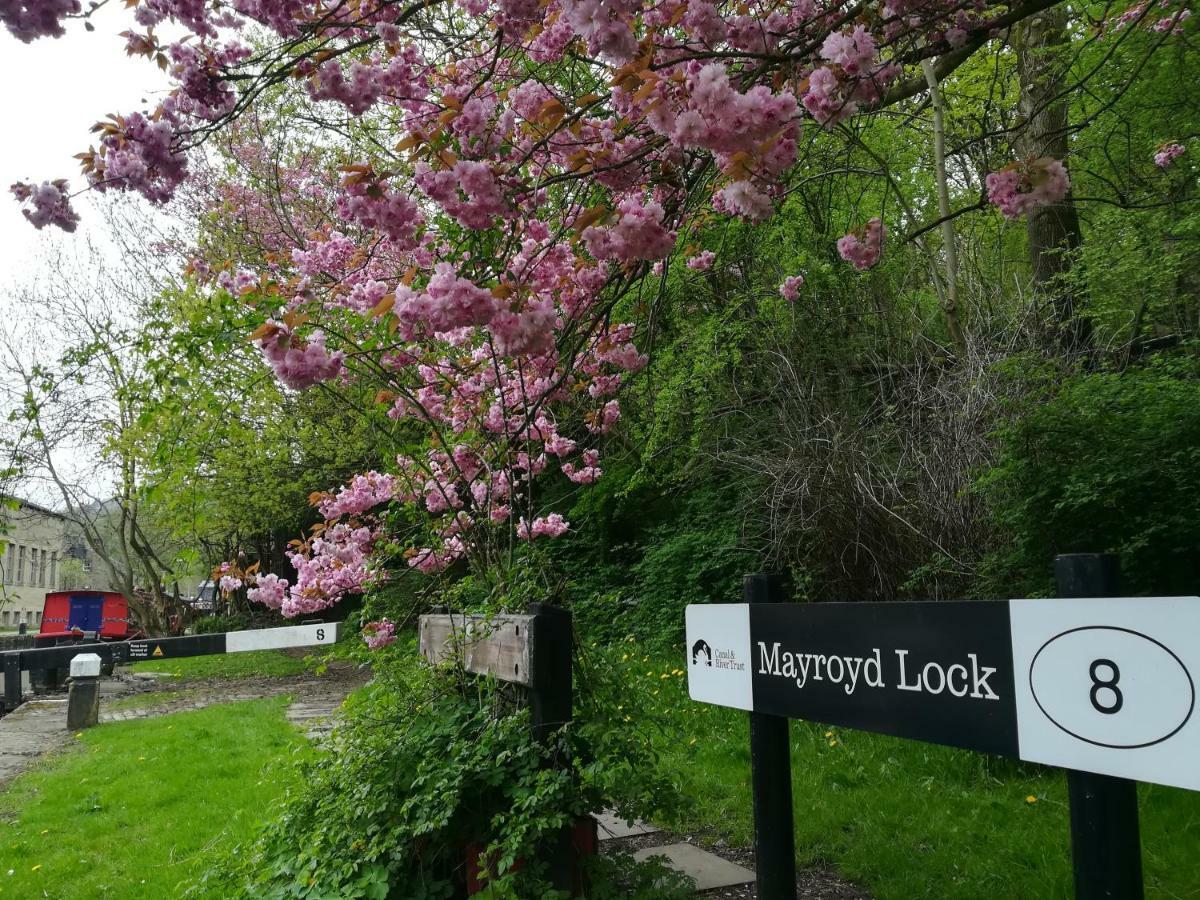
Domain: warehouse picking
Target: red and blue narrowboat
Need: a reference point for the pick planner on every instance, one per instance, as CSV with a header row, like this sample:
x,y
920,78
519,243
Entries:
x,y
75,614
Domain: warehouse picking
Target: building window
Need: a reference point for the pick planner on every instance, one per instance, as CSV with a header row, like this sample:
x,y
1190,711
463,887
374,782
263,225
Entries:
x,y
43,564
54,571
20,565
39,618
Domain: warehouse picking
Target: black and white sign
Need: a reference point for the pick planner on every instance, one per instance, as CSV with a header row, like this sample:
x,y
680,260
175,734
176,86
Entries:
x,y
1100,685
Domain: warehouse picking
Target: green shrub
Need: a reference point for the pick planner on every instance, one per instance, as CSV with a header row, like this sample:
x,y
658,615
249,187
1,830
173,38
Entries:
x,y
238,622
1110,462
428,763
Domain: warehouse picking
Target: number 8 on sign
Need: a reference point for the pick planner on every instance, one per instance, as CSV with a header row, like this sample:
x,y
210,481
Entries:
x,y
1108,684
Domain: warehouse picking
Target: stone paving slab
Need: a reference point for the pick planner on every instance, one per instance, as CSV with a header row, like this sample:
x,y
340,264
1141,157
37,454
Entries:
x,y
612,827
28,732
708,870
317,718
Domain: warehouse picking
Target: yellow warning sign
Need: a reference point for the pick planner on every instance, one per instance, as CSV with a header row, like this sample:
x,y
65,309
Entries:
x,y
157,651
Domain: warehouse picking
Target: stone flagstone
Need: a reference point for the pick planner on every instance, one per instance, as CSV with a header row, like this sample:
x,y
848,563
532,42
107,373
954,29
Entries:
x,y
612,827
707,869
28,732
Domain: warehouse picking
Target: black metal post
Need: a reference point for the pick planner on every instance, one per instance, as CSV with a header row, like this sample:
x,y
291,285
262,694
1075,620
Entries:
x,y
1106,848
550,706
12,680
771,779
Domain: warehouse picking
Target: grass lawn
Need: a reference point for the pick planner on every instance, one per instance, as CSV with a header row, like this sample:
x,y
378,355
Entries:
x,y
906,819
229,665
131,809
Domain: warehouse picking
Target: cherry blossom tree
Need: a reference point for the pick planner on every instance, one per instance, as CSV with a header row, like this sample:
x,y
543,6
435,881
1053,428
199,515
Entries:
x,y
485,181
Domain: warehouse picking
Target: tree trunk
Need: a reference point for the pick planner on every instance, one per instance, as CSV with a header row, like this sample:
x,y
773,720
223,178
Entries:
x,y
1053,230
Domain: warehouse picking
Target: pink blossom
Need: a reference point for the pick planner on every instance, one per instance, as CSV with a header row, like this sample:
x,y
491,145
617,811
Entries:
x,y
588,473
373,204
702,262
336,564
379,634
51,204
229,583
862,248
1022,186
825,100
141,155
1168,153
743,199
638,234
297,364
30,19
270,591
790,288
552,525
362,493
605,25
854,51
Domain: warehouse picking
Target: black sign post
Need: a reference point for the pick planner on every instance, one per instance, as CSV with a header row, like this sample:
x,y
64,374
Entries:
x,y
551,708
771,777
1100,685
1106,848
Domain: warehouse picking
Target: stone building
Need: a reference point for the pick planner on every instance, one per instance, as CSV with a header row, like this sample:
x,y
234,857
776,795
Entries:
x,y
33,560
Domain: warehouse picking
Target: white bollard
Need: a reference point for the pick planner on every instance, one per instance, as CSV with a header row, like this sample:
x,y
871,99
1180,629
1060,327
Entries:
x,y
83,701
86,665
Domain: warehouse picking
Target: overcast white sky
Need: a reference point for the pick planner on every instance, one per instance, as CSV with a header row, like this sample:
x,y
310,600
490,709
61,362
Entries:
x,y
54,90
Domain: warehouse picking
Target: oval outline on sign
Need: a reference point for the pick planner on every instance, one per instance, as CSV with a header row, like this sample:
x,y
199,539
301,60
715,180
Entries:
x,y
1186,674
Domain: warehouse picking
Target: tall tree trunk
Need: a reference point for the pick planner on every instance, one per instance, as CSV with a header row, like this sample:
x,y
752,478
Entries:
x,y
948,297
1053,230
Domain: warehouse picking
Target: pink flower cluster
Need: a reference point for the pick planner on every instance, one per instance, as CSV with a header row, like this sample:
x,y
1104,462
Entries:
x,y
358,88
336,564
552,526
299,364
51,204
364,492
861,248
639,233
789,289
379,634
374,205
229,583
1168,153
718,117
140,154
1022,186
270,591
702,262
469,191
588,473
836,91
604,25
1171,23
30,19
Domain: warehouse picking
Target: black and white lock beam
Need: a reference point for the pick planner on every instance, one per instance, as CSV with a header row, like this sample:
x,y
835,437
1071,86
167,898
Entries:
x,y
16,661
1102,685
